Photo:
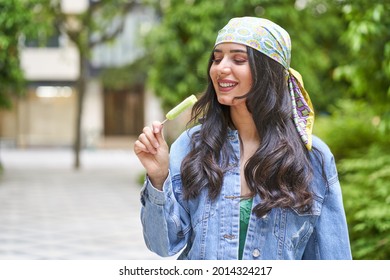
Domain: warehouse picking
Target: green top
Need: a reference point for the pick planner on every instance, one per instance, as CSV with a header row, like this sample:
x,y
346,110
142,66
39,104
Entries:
x,y
245,213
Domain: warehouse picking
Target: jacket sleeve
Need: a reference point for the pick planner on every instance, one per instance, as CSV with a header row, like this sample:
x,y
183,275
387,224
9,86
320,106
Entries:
x,y
165,222
330,239
164,214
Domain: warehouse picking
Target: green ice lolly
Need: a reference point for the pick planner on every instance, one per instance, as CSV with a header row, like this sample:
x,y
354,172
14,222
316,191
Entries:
x,y
172,114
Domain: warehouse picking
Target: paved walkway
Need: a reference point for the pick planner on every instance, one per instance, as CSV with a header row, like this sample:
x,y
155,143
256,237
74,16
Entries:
x,y
50,211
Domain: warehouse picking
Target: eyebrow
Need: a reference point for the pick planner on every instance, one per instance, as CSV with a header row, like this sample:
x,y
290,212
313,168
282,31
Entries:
x,y
231,51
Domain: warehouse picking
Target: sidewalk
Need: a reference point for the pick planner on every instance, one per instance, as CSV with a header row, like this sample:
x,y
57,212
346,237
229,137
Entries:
x,y
50,211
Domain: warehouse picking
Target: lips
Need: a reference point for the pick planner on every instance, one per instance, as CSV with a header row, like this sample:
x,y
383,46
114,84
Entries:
x,y
226,85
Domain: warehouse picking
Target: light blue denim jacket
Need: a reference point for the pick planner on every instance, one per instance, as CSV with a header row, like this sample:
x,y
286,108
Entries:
x,y
204,229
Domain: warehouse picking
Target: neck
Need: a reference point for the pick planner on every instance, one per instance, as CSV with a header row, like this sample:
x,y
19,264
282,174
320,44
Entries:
x,y
243,122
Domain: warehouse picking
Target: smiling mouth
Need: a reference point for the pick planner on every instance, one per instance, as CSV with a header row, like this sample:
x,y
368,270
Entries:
x,y
227,85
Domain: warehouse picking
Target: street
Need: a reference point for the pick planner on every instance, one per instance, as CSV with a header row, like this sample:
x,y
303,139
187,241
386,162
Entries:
x,y
48,210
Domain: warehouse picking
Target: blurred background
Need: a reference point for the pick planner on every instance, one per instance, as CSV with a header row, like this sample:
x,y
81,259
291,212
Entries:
x,y
79,79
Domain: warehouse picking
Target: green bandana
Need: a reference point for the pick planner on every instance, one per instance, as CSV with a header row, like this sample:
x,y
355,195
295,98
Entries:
x,y
273,41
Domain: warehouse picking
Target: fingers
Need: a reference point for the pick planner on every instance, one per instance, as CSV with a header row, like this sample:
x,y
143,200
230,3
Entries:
x,y
150,138
147,141
157,130
139,147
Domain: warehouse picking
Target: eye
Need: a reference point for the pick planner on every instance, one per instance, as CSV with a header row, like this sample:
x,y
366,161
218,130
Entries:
x,y
240,61
216,60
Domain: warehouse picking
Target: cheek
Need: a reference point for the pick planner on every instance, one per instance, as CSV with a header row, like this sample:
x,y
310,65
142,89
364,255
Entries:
x,y
248,78
212,72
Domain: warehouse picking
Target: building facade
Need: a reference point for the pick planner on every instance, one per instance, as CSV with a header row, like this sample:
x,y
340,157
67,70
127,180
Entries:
x,y
46,115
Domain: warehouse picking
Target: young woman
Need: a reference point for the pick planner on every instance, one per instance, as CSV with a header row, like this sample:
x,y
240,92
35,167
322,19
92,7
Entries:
x,y
249,181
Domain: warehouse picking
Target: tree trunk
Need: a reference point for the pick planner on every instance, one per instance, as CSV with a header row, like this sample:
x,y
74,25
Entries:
x,y
81,86
1,165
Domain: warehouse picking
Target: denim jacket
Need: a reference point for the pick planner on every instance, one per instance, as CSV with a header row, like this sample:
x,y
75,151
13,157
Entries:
x,y
204,229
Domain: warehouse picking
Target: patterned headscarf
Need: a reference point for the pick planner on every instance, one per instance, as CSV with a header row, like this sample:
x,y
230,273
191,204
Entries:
x,y
273,41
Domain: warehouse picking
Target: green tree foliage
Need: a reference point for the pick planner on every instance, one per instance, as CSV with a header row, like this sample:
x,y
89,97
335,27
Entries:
x,y
181,45
361,126
355,133
366,185
362,150
367,67
17,18
350,130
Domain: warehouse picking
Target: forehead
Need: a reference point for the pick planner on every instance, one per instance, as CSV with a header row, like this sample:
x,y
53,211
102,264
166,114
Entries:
x,y
230,47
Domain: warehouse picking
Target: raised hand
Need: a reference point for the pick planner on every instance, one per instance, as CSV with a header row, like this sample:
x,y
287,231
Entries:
x,y
153,152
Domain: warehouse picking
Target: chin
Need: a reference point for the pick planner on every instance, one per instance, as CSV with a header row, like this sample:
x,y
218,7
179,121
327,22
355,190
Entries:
x,y
229,100
225,100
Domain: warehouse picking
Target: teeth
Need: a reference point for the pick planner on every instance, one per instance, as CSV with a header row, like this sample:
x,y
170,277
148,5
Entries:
x,y
226,84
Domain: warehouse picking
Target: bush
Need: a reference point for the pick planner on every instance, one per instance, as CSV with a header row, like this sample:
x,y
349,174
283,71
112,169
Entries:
x,y
359,140
350,128
366,187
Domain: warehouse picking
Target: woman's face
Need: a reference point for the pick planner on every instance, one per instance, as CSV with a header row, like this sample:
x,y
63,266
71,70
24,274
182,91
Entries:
x,y
230,73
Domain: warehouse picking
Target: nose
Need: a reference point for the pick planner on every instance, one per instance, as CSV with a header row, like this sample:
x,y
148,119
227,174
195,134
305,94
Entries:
x,y
223,68
223,73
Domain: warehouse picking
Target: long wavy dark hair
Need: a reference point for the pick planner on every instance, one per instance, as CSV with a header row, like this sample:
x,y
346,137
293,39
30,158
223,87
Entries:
x,y
279,171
